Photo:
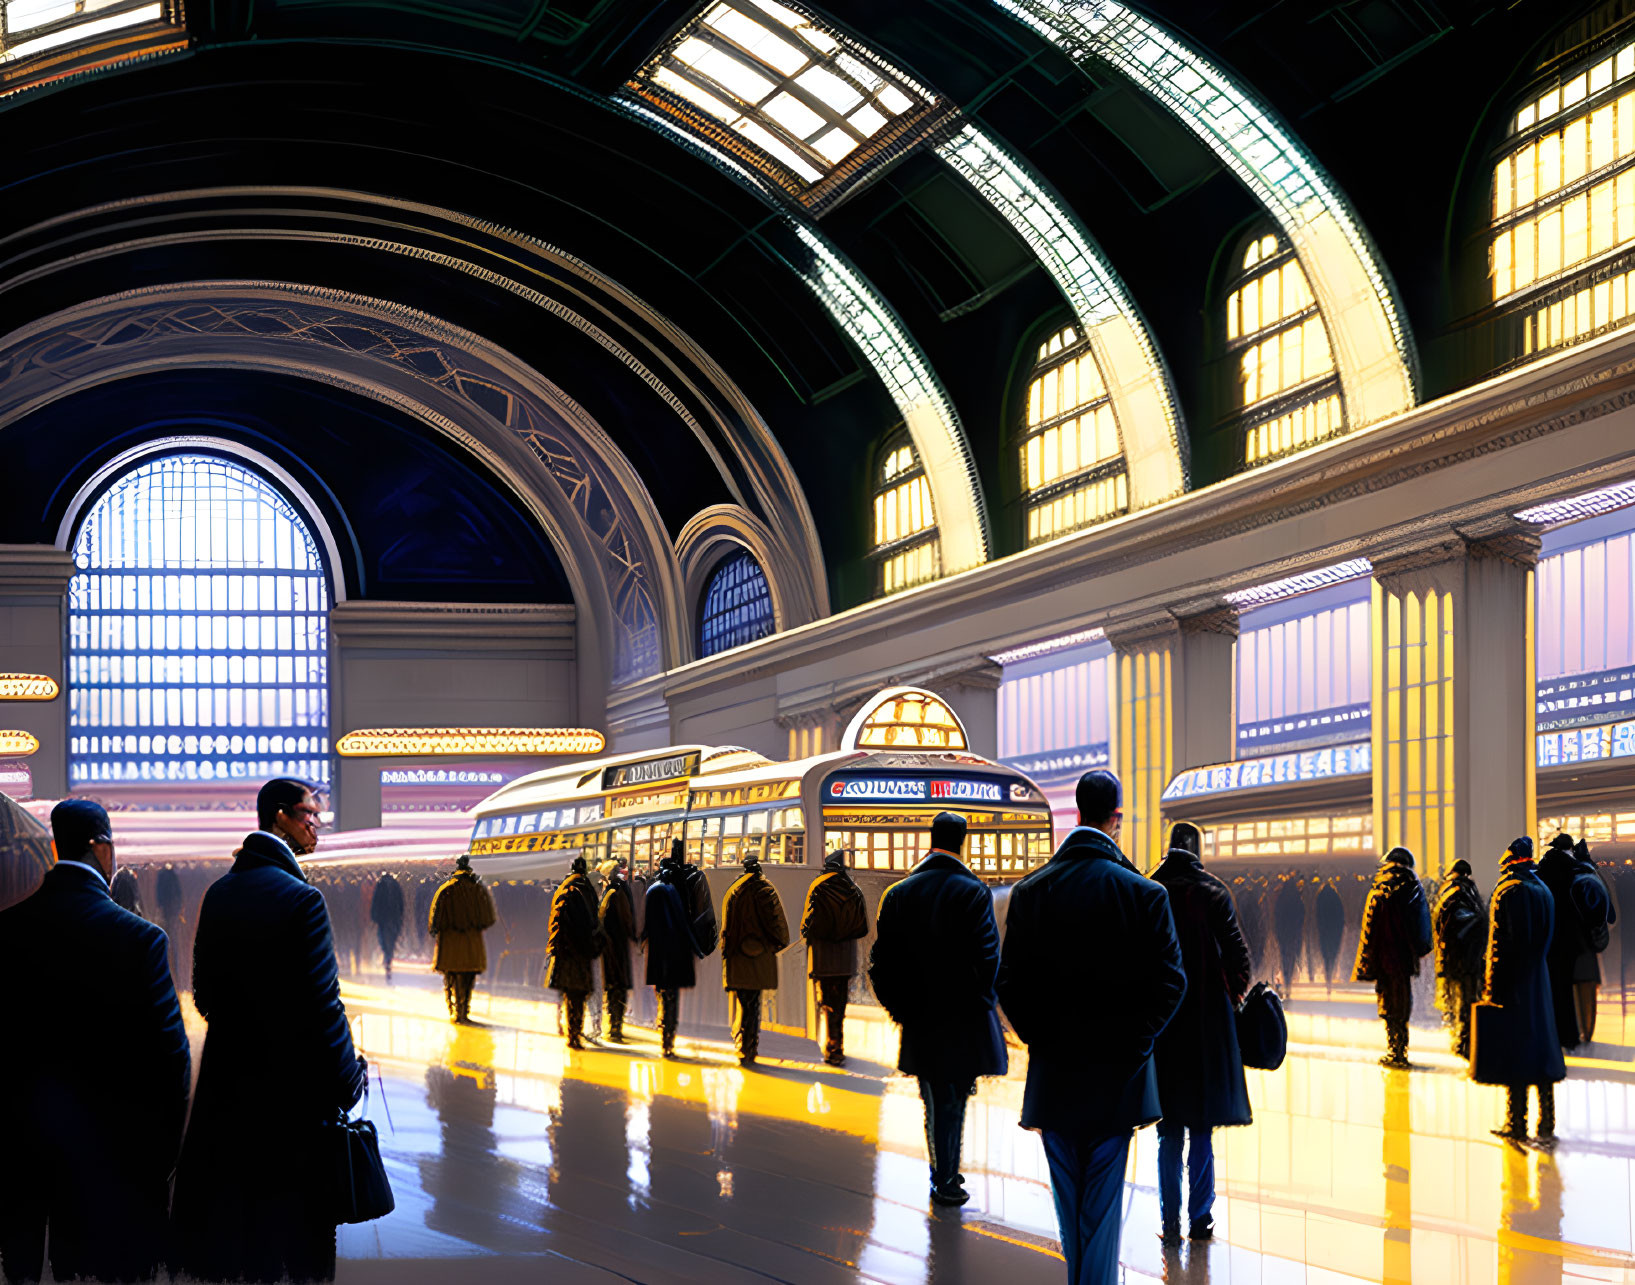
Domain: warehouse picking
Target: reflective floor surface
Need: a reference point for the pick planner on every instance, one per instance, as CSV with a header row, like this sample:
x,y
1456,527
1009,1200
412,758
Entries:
x,y
513,1158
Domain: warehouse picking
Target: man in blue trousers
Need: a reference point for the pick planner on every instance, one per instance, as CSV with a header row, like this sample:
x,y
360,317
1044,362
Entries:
x,y
1087,929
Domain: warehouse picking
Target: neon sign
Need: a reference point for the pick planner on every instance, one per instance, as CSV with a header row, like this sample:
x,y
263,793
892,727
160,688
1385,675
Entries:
x,y
649,771
1280,769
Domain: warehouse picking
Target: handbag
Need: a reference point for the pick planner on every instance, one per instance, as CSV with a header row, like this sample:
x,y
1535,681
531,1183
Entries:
x,y
1263,1031
1490,1038
360,1190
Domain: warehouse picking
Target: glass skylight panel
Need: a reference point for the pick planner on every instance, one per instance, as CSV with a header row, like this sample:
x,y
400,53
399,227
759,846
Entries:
x,y
24,15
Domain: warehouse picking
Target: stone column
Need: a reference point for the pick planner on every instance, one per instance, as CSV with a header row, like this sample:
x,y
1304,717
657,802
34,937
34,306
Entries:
x,y
34,640
1454,698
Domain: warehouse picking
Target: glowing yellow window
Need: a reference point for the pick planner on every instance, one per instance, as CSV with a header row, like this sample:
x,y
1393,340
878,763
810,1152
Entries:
x,y
904,535
1070,456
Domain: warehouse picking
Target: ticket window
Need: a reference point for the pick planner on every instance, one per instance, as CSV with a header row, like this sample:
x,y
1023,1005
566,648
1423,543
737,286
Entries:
x,y
755,837
732,840
787,842
703,841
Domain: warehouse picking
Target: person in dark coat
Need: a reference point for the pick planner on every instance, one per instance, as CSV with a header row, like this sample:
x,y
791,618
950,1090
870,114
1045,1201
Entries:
x,y
125,892
386,913
278,1063
1459,923
1528,1050
1087,927
1330,928
1583,915
1624,881
935,957
573,941
753,932
91,1108
1396,935
461,912
1201,1085
616,917
672,937
167,896
835,918
1251,905
1289,917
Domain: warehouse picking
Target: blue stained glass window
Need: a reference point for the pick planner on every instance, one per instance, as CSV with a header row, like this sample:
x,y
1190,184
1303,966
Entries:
x,y
198,631
737,606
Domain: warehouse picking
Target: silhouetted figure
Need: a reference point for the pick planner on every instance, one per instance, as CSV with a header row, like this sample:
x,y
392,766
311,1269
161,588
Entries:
x,y
124,891
1201,1085
753,932
935,957
1584,911
1289,916
1252,917
573,942
167,897
674,937
834,920
617,919
461,912
348,923
278,1063
1087,925
1527,1050
1459,922
93,1098
386,913
1625,882
1330,910
1396,935
424,891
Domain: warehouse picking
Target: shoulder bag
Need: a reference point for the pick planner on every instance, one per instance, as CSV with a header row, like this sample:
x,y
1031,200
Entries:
x,y
360,1190
1263,1031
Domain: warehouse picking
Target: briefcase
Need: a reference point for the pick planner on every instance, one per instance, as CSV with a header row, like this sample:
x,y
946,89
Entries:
x,y
1263,1031
1491,1038
360,1189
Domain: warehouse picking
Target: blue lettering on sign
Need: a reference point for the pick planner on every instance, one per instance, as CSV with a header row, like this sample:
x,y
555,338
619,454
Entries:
x,y
878,789
1282,769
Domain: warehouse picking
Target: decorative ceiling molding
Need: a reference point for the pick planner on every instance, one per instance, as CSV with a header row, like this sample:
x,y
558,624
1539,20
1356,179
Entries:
x,y
723,528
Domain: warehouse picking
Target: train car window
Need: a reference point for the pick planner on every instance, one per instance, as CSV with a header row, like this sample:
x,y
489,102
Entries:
x,y
621,846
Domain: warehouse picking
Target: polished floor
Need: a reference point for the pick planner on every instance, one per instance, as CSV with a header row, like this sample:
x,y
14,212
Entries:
x,y
516,1159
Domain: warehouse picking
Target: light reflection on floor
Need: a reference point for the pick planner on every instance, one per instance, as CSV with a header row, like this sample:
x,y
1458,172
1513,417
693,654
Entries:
x,y
611,1165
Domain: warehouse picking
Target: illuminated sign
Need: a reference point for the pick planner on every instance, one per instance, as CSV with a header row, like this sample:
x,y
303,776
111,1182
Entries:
x,y
653,801
1280,769
1587,744
439,776
27,687
18,744
919,789
875,789
400,742
650,771
963,791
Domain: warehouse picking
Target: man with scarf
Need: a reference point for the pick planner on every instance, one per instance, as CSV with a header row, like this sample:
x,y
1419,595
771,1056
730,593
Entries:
x,y
753,931
678,928
1583,913
461,912
617,919
834,919
573,941
1396,935
1517,1046
1459,920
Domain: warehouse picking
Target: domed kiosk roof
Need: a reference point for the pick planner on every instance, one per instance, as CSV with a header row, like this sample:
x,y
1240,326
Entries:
x,y
25,852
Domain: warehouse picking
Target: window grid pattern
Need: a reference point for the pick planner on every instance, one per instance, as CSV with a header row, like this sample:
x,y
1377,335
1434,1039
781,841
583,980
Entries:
x,y
1060,709
29,27
198,631
1291,837
1304,681
737,606
1586,609
1413,725
904,536
1071,460
1286,377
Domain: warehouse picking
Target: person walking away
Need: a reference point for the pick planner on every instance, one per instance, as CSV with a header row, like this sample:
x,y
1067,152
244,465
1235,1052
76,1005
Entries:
x,y
278,1063
81,1168
1201,1085
616,917
461,911
753,932
935,958
1083,919
1289,916
1527,1050
1330,928
1396,935
1583,914
672,944
573,941
1459,923
834,919
125,892
386,913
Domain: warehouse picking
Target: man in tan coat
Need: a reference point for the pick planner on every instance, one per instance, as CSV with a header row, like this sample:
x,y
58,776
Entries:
x,y
460,913
834,919
753,932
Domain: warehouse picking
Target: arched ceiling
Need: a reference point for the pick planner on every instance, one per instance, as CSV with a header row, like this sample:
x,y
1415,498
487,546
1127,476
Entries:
x,y
391,150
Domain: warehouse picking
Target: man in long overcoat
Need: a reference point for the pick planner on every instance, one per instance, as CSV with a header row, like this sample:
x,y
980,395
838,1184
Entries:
x,y
835,918
753,932
1527,1050
1087,927
1396,935
1459,922
278,1063
103,1032
1583,912
616,917
573,941
461,912
671,935
386,913
1330,928
1201,1085
935,957
1289,916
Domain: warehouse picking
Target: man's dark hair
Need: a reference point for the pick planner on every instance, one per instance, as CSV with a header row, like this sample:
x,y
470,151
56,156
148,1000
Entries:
x,y
948,832
1098,795
75,825
1187,837
280,794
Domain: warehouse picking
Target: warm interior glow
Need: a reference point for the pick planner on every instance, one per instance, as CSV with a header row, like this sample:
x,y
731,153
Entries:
x,y
399,742
902,512
1068,433
17,744
905,718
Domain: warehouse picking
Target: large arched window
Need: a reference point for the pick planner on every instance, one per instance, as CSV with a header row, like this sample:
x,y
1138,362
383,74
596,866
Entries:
x,y
1072,464
1288,392
198,630
737,605
905,528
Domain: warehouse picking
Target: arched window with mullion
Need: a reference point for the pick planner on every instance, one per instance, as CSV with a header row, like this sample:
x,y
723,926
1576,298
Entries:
x,y
1071,457
904,534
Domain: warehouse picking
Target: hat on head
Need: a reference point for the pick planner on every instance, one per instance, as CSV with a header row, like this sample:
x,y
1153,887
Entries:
x,y
579,867
1564,841
1401,857
463,861
1460,867
948,832
76,824
835,860
1519,850
752,863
